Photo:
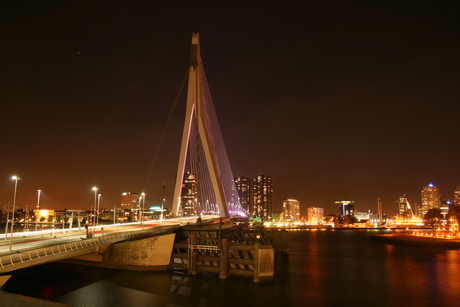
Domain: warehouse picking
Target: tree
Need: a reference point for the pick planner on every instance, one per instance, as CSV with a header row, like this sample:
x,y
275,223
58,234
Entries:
x,y
432,217
349,219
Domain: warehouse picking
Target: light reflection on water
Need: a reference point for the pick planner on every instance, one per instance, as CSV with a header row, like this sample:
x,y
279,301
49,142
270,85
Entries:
x,y
324,268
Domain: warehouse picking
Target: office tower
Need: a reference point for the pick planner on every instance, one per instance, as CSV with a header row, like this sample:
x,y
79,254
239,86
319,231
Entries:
x,y
129,200
262,187
291,210
405,209
189,195
243,186
315,215
431,199
346,207
457,197
444,207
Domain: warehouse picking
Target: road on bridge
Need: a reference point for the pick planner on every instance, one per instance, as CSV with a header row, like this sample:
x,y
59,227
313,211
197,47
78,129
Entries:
x,y
25,241
26,249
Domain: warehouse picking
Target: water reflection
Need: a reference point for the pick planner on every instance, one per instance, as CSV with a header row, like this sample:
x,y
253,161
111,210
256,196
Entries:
x,y
324,268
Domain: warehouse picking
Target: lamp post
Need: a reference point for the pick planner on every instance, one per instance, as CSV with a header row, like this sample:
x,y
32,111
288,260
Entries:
x,y
15,178
114,211
162,202
98,206
138,212
95,200
38,208
143,205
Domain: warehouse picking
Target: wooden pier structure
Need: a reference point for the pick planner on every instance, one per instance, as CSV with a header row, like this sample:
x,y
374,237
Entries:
x,y
229,252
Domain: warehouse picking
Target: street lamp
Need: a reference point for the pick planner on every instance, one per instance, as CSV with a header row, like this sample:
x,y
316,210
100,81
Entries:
x,y
138,212
162,210
143,205
94,207
15,178
38,199
98,205
162,202
114,214
38,208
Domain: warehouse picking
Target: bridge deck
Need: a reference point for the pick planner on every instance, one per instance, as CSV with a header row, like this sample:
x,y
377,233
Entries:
x,y
51,250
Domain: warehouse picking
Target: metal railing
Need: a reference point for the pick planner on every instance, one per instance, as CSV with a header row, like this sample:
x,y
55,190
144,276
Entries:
x,y
204,248
67,250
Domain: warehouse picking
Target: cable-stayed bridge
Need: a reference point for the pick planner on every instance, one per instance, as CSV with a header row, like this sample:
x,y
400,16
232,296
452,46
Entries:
x,y
203,155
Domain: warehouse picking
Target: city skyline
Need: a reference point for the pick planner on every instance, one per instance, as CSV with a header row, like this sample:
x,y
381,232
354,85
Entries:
x,y
334,101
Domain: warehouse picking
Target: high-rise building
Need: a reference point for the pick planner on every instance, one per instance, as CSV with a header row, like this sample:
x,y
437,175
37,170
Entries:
x,y
405,209
346,207
457,197
315,215
189,195
262,188
291,210
243,186
129,200
431,199
444,207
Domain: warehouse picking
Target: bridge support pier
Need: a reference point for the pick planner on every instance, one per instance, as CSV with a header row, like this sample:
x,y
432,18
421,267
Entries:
x,y
224,259
244,260
192,255
263,263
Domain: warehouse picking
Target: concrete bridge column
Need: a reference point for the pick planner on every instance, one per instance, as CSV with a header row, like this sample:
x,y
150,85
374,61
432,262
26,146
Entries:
x,y
224,259
264,263
192,254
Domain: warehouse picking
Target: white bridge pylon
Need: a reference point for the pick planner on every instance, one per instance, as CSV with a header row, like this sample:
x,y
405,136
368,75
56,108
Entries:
x,y
202,140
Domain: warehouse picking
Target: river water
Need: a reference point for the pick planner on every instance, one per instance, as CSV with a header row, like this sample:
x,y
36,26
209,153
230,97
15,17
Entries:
x,y
324,268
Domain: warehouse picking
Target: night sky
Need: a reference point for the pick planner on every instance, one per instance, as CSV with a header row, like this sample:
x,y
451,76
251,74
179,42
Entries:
x,y
335,99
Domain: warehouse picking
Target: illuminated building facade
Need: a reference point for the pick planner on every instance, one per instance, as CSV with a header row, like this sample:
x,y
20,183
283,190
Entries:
x,y
129,200
457,196
44,215
405,209
291,210
445,208
362,216
315,215
262,188
374,219
189,195
243,186
431,199
346,207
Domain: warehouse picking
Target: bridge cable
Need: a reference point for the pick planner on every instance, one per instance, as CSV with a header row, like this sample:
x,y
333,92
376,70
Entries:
x,y
165,129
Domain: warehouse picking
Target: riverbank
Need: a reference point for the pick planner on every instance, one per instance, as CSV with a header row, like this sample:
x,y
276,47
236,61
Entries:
x,y
417,240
